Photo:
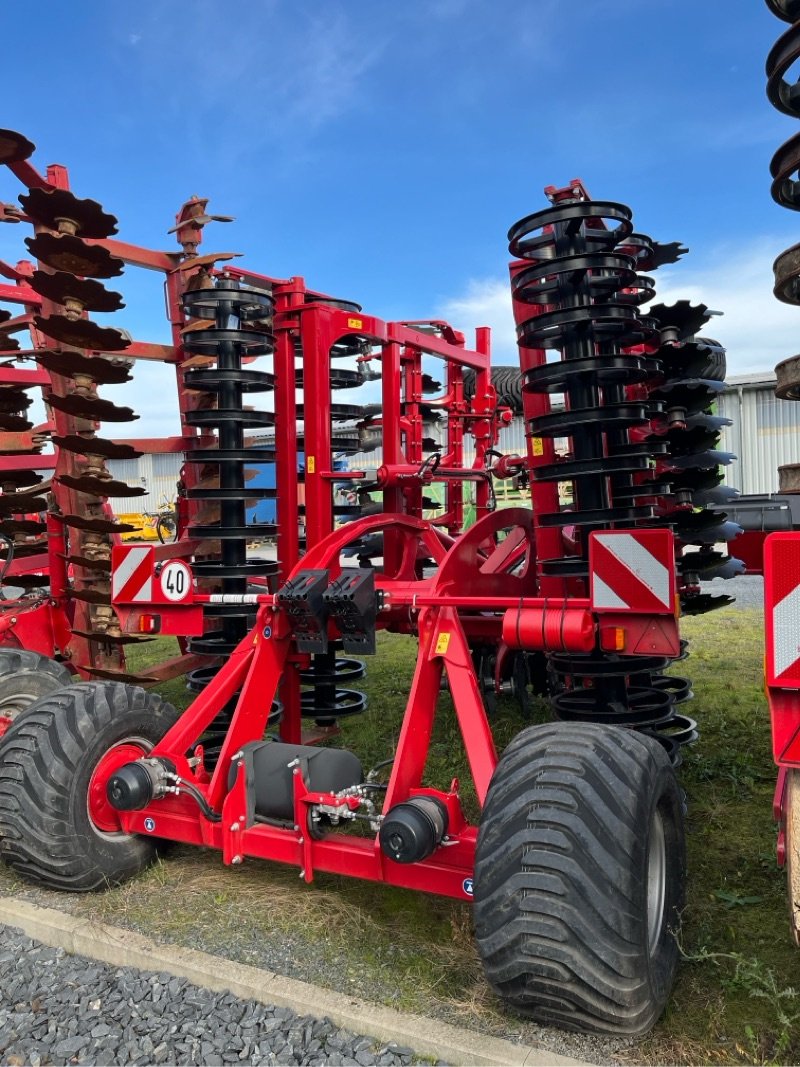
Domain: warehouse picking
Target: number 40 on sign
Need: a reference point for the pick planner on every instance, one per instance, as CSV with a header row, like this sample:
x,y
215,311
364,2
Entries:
x,y
176,581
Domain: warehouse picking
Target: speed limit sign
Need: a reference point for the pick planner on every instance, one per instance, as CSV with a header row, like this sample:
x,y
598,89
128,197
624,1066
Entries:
x,y
176,581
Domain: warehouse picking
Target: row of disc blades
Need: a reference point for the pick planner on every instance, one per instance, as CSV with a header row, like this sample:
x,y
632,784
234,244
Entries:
x,y
79,354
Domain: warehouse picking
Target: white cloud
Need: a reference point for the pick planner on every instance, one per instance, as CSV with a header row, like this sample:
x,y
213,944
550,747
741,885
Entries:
x,y
485,302
757,329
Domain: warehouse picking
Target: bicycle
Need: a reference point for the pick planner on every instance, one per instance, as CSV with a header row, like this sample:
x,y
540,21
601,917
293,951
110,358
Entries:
x,y
164,522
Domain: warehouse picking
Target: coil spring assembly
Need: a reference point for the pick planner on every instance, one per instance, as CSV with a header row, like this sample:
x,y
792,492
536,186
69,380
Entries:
x,y
240,330
785,169
326,696
581,278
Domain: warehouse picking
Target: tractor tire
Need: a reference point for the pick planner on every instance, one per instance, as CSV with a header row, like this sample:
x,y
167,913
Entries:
x,y
716,366
508,383
579,877
50,755
792,813
26,677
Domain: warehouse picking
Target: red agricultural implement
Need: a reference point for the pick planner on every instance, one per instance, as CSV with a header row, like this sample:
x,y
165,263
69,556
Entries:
x,y
575,864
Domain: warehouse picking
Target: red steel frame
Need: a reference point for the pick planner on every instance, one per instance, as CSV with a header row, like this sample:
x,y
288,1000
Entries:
x,y
484,586
399,347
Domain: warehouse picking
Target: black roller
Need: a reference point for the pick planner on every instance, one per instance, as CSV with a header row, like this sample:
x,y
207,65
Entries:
x,y
229,307
583,284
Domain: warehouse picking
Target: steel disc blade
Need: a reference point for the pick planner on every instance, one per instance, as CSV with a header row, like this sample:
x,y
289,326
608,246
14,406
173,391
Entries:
x,y
64,252
82,333
14,147
95,446
24,549
682,318
91,596
23,526
91,407
113,639
17,504
205,260
99,525
14,423
63,286
28,581
49,207
12,400
20,478
100,565
68,364
86,483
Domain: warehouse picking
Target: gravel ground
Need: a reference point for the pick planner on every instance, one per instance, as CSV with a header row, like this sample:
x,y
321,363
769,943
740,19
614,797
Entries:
x,y
61,1009
748,590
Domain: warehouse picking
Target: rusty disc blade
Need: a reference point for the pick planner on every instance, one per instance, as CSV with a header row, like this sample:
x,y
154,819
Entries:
x,y
28,581
14,147
14,400
95,446
64,252
206,260
20,478
49,206
91,407
120,676
91,595
69,363
82,333
14,423
8,345
24,526
19,503
4,315
23,549
114,639
99,525
63,286
102,566
86,483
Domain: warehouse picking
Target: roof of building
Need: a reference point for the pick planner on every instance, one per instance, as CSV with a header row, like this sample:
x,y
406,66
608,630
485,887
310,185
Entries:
x,y
760,379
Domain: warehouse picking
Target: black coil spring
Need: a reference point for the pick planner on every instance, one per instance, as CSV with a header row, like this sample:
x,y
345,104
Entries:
x,y
785,169
584,284
229,306
326,696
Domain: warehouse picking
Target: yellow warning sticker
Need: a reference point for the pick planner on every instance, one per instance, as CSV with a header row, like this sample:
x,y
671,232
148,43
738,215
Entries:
x,y
355,324
537,446
311,464
442,643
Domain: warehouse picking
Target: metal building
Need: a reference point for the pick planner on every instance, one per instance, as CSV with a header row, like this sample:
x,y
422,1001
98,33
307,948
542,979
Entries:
x,y
765,433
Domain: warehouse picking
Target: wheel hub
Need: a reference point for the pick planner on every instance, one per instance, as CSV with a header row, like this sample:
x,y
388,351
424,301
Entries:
x,y
656,881
103,816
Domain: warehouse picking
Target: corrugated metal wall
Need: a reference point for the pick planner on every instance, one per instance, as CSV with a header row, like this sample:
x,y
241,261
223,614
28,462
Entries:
x,y
157,474
764,436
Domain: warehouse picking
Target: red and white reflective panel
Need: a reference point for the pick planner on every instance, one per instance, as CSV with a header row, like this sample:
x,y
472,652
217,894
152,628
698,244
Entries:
x,y
632,572
132,568
782,609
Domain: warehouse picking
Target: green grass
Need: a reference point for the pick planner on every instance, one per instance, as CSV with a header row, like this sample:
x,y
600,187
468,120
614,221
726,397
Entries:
x,y
734,1000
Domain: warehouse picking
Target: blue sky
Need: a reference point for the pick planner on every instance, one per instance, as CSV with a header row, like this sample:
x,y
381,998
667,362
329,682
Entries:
x,y
382,150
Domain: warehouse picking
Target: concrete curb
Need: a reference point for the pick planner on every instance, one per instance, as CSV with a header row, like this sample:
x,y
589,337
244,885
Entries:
x,y
124,948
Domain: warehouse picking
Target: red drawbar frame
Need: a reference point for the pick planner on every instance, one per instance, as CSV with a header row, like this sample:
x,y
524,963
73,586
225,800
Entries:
x,y
494,562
